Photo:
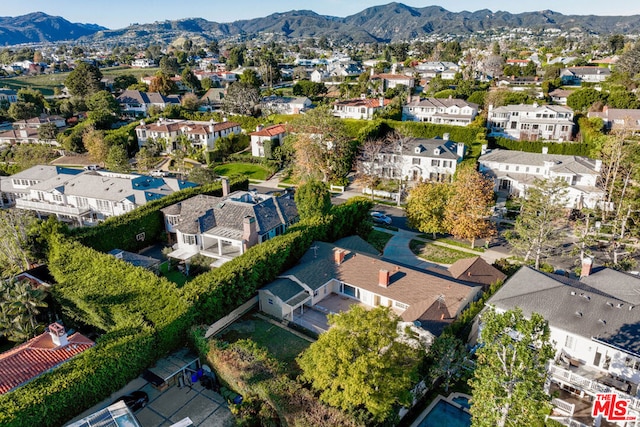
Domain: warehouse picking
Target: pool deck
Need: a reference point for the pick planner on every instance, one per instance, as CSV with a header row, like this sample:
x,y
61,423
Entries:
x,y
435,401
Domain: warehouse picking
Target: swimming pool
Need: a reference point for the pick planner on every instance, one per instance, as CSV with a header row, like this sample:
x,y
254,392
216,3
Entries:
x,y
462,401
446,414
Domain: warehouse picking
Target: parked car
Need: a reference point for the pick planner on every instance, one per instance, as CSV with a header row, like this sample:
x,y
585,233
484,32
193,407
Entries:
x,y
135,400
92,167
159,173
380,218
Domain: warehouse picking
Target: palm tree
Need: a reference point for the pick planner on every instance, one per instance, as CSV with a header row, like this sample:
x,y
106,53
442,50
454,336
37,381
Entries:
x,y
19,307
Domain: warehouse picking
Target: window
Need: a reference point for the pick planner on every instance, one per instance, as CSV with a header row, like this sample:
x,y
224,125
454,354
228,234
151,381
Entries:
x,y
103,205
270,301
527,169
82,202
632,363
173,219
517,168
57,198
189,239
415,161
401,305
506,167
514,125
569,342
435,162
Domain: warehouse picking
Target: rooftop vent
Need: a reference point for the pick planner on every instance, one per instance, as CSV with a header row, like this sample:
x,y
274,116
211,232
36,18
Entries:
x,y
573,292
619,305
609,303
578,313
604,322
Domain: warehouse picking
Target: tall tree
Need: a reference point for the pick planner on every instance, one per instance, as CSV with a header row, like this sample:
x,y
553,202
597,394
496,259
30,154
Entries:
x,y
96,145
426,207
20,304
15,244
103,109
508,382
145,160
360,362
469,208
84,80
117,159
367,164
537,229
169,65
163,84
446,360
190,79
313,199
242,98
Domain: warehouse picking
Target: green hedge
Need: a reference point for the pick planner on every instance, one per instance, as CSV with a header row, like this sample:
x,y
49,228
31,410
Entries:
x,y
121,231
364,129
567,148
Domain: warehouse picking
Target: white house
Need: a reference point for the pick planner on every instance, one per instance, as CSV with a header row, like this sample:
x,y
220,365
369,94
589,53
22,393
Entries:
x,y
88,197
17,185
594,328
531,122
225,227
8,95
285,104
390,81
514,171
143,63
361,108
420,159
330,277
275,134
201,134
457,112
578,75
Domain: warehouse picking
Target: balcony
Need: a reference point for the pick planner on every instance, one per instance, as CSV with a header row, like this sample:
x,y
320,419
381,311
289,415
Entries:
x,y
596,382
47,207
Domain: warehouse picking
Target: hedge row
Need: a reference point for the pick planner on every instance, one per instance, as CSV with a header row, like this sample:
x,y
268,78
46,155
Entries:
x,y
567,148
253,372
121,231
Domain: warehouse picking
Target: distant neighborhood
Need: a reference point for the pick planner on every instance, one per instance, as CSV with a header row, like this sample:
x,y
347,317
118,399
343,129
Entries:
x,y
260,228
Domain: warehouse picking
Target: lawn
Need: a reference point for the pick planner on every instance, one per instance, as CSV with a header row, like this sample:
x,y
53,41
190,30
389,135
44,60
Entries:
x,y
378,239
454,242
250,170
282,344
437,254
173,275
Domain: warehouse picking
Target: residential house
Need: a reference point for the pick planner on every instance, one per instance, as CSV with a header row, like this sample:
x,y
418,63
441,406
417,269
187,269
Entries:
x,y
390,81
456,112
579,75
285,104
619,119
275,134
17,185
361,108
151,264
415,160
143,63
225,227
24,136
474,271
514,171
437,66
37,122
201,134
8,95
330,277
39,355
531,122
319,76
448,74
559,96
344,69
135,103
92,196
212,99
594,327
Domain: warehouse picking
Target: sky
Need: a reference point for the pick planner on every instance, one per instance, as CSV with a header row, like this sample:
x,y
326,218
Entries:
x,y
116,14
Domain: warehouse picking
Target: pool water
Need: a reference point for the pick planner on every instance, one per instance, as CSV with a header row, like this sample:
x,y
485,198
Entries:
x,y
444,414
462,401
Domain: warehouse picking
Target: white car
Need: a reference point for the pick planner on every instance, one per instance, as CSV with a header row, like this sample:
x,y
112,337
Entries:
x,y
159,173
380,218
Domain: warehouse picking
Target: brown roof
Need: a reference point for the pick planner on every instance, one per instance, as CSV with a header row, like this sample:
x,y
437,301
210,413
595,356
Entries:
x,y
37,356
476,270
270,131
369,103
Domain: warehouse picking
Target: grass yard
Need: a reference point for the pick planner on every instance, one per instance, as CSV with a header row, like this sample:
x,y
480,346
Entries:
x,y
282,344
251,170
378,239
173,275
462,244
437,254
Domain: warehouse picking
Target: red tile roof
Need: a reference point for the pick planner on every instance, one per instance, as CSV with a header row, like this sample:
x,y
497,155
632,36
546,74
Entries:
x,y
270,131
36,357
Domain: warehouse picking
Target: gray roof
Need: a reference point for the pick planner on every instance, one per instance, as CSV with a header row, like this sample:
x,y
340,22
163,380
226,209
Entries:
x,y
138,97
44,172
562,163
202,213
427,148
601,306
284,288
532,108
442,102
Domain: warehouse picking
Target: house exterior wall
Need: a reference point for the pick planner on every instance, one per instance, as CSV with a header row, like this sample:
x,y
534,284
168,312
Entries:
x,y
536,122
271,304
415,168
453,115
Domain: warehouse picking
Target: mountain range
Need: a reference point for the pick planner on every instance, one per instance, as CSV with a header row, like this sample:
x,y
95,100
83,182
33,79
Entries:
x,y
387,23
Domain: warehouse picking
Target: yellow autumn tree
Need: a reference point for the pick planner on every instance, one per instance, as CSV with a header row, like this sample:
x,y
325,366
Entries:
x,y
467,215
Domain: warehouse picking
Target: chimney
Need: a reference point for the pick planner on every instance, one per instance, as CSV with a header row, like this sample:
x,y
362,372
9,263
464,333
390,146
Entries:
x,y
460,149
381,101
545,150
249,232
258,128
338,256
483,150
226,188
598,166
383,278
586,267
58,335
141,122
445,136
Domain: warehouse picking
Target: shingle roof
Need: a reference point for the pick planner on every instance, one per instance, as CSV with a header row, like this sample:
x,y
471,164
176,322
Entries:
x,y
284,288
36,357
476,270
427,148
441,103
562,163
600,306
44,172
418,289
